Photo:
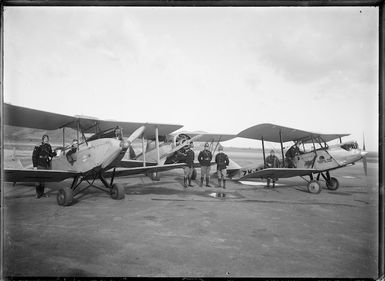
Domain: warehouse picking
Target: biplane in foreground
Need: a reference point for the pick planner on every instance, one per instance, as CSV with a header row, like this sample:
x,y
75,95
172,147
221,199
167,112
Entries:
x,y
310,155
98,156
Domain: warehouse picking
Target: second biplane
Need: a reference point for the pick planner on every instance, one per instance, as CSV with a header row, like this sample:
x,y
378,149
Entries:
x,y
310,155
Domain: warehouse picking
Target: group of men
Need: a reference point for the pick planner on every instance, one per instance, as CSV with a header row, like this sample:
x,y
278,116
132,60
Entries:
x,y
204,158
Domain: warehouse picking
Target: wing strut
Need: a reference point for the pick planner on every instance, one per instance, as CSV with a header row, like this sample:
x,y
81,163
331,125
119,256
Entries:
x,y
157,144
143,152
283,156
263,150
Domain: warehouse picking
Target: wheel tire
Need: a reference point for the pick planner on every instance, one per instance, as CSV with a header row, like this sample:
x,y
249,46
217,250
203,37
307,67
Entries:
x,y
65,196
154,176
333,184
194,174
314,187
117,192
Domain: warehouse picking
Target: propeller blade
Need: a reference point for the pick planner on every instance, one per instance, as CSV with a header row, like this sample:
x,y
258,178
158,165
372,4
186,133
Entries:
x,y
136,134
363,153
163,158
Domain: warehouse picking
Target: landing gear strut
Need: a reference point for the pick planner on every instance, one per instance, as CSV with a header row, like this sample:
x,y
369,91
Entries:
x,y
65,195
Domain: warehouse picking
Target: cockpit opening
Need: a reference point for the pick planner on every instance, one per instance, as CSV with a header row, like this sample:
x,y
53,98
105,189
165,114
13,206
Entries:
x,y
349,146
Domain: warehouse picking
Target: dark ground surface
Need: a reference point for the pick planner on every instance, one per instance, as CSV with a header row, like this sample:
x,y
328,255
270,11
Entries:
x,y
159,229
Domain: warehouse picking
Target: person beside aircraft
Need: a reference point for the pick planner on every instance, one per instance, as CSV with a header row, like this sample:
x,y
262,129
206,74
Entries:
x,y
290,155
204,159
118,133
272,161
41,159
71,154
222,162
188,169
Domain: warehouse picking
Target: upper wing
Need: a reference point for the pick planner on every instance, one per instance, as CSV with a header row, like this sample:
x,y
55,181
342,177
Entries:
x,y
271,132
208,137
279,173
29,175
32,118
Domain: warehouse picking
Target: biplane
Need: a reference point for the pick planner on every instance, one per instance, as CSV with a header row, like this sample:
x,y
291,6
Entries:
x,y
309,155
98,157
101,148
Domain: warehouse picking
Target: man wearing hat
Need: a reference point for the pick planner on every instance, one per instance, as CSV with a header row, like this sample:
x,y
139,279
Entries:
x,y
189,160
271,161
204,159
222,162
41,159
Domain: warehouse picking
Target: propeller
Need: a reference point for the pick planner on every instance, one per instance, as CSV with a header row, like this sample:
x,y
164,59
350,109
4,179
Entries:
x,y
138,132
163,157
127,144
363,153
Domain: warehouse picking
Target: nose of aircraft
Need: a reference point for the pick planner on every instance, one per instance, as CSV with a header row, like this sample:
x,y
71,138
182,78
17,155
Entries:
x,y
124,144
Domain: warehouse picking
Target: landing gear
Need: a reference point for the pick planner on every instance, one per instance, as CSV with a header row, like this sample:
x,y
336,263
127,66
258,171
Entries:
x,y
154,176
65,196
314,187
332,184
117,191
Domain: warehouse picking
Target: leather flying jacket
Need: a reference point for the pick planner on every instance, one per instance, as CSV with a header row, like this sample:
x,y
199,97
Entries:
x,y
205,157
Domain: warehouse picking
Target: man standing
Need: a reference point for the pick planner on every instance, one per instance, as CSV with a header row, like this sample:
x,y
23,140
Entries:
x,y
188,169
41,159
272,161
204,159
222,162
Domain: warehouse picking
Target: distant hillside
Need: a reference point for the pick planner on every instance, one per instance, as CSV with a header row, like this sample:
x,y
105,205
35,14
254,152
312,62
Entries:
x,y
14,134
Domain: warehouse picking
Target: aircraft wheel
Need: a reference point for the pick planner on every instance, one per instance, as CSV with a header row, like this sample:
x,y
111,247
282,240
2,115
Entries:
x,y
194,174
333,184
154,176
118,192
64,196
314,187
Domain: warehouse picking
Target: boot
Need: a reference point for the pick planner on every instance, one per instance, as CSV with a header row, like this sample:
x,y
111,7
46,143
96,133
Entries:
x,y
219,182
201,184
185,182
189,182
224,184
207,182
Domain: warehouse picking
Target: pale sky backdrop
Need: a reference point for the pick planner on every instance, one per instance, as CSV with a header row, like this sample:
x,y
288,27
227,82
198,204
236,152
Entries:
x,y
219,70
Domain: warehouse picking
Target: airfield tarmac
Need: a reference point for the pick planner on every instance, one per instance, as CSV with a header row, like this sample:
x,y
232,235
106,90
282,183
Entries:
x,y
160,229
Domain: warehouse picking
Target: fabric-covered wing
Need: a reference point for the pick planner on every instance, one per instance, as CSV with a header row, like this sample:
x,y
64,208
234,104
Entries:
x,y
271,132
208,137
133,164
121,172
29,175
279,173
32,118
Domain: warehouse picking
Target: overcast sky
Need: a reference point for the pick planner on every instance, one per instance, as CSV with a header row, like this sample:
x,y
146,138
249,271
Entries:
x,y
219,70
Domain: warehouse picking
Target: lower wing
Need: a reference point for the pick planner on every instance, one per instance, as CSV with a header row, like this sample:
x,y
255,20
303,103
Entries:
x,y
276,173
29,175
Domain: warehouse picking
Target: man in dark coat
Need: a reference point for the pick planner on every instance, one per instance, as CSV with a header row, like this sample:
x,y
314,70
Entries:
x,y
272,161
41,159
222,162
189,160
204,159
